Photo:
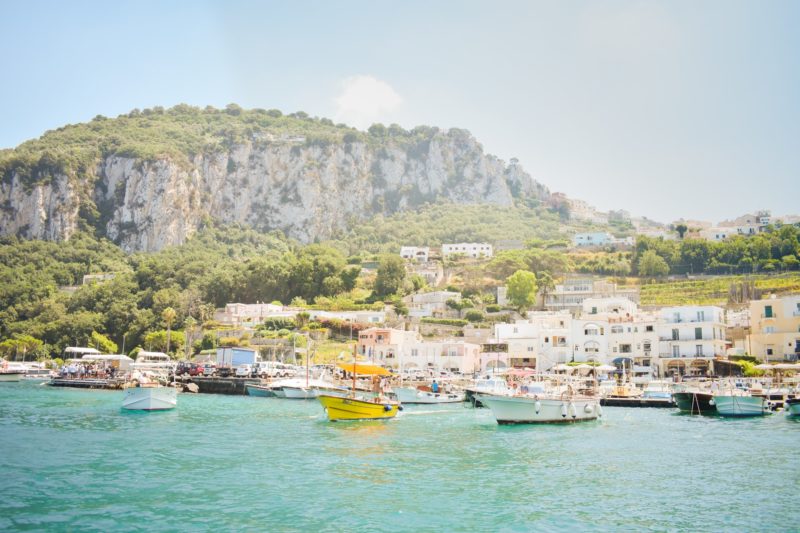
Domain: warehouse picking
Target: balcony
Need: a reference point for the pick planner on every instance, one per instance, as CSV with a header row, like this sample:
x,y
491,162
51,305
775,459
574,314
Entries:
x,y
689,339
773,315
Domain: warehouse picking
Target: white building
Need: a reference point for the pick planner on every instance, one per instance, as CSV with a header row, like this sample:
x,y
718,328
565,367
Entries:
x,y
571,294
431,303
592,239
540,342
361,317
468,249
415,253
717,233
238,314
690,338
406,349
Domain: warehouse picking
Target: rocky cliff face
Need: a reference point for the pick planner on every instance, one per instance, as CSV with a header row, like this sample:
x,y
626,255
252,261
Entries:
x,y
308,190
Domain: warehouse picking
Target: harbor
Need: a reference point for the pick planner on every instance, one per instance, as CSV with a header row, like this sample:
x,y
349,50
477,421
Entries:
x,y
227,462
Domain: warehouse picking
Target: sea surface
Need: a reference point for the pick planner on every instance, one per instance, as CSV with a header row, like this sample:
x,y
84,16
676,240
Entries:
x,y
72,460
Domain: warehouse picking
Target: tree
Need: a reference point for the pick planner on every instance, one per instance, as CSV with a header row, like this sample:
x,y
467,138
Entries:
x,y
546,284
652,265
157,340
681,229
391,276
521,289
103,343
473,315
168,315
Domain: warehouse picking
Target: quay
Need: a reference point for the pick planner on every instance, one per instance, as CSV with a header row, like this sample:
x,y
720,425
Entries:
x,y
88,383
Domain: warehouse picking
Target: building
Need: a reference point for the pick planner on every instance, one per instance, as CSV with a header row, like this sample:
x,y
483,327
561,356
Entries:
x,y
592,239
415,253
238,314
406,349
540,342
432,271
467,249
360,317
717,233
775,329
690,338
431,303
571,294
749,224
384,344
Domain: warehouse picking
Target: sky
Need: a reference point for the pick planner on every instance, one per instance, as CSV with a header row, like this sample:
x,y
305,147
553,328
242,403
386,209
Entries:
x,y
665,109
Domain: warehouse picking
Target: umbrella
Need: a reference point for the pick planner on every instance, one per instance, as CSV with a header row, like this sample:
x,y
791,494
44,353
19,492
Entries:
x,y
605,368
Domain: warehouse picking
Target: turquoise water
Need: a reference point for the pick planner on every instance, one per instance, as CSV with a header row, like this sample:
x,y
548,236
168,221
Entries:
x,y
72,460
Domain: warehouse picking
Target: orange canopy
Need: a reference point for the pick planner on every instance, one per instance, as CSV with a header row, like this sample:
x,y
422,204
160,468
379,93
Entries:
x,y
364,369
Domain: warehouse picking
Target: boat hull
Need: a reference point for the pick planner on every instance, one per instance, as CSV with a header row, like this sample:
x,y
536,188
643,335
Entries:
x,y
527,410
259,390
740,405
10,377
300,393
409,395
793,407
695,403
150,398
355,409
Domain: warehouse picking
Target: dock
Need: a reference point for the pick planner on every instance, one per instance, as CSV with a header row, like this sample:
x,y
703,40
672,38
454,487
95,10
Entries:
x,y
636,402
88,383
213,385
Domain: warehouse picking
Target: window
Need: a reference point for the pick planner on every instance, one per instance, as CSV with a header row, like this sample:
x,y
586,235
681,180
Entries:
x,y
594,311
675,334
625,348
414,352
646,347
698,350
698,333
768,311
645,362
769,329
701,316
616,329
769,351
676,351
648,328
530,348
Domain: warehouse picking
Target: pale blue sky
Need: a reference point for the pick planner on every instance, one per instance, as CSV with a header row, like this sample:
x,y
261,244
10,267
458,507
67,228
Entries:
x,y
671,109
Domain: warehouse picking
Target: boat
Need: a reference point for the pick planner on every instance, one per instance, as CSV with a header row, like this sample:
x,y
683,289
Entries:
x,y
409,395
694,400
740,403
547,409
658,390
149,392
792,406
264,391
150,397
356,406
487,385
9,376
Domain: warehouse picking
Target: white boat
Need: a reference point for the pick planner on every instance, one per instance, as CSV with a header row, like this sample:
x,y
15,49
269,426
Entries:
x,y
657,390
150,397
736,403
412,395
302,389
527,409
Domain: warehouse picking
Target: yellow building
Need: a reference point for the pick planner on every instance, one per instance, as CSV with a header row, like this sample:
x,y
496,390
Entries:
x,y
775,329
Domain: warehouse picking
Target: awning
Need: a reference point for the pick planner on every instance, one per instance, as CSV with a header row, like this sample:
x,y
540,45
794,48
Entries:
x,y
364,369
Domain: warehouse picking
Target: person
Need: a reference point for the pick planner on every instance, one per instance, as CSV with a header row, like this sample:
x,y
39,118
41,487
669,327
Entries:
x,y
434,387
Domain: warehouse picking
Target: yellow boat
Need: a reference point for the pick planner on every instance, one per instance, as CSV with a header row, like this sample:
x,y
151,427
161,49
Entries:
x,y
352,408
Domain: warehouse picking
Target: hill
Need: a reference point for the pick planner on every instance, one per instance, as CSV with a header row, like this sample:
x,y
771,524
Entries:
x,y
150,178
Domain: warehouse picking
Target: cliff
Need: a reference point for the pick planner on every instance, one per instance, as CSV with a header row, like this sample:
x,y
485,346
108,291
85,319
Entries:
x,y
148,179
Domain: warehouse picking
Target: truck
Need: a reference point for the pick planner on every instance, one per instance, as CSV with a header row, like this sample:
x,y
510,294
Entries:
x,y
230,357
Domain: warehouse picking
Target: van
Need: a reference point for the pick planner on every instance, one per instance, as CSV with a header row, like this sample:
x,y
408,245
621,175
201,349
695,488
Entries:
x,y
271,369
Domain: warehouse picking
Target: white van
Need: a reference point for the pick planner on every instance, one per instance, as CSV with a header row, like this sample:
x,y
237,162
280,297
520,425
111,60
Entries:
x,y
272,369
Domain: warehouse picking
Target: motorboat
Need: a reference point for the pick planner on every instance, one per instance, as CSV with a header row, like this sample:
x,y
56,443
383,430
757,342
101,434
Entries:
x,y
356,406
265,391
694,400
545,409
150,397
740,403
658,390
411,395
486,385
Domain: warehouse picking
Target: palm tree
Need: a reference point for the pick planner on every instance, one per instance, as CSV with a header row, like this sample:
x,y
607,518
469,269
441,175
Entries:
x,y
168,315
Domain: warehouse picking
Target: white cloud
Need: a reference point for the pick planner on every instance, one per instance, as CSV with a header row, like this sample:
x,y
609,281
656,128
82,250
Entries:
x,y
365,100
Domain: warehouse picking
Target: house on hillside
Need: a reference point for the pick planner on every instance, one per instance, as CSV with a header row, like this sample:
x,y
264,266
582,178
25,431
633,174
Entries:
x,y
415,253
475,250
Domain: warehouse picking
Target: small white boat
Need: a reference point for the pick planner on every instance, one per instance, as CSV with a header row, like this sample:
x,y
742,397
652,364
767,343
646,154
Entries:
x,y
740,404
150,397
657,390
411,395
545,410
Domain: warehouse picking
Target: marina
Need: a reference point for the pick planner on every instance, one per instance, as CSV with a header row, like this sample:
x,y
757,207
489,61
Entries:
x,y
304,473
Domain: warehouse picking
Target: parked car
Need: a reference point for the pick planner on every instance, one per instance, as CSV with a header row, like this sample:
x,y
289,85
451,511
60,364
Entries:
x,y
186,368
209,369
272,369
244,371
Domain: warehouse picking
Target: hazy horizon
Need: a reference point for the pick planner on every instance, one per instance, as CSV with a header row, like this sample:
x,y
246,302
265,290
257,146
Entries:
x,y
665,110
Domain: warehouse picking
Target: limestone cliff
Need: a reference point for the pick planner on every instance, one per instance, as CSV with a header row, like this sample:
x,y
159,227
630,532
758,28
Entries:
x,y
307,189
